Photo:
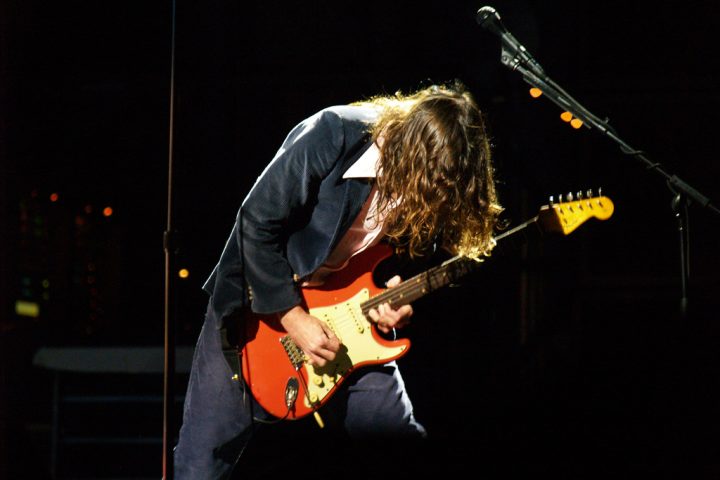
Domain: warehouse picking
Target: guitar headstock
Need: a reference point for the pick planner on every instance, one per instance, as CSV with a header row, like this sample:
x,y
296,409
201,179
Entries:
x,y
566,216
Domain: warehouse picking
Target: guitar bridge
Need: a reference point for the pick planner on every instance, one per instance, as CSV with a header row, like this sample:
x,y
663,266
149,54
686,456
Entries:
x,y
294,353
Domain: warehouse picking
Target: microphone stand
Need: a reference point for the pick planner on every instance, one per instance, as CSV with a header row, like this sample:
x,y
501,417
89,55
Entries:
x,y
683,192
170,249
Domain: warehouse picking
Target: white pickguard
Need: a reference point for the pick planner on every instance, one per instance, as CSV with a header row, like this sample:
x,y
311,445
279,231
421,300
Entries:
x,y
358,345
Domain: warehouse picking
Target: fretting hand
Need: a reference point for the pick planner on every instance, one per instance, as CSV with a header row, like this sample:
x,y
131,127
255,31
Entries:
x,y
385,317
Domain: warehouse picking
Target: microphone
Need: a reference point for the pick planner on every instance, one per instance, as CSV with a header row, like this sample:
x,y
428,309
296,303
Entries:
x,y
489,19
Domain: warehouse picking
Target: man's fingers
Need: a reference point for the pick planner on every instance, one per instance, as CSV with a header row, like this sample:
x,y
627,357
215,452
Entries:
x,y
405,311
320,357
386,318
333,341
392,316
375,317
325,351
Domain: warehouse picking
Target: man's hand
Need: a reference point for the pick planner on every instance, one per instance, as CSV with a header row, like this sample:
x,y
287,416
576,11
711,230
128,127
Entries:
x,y
385,317
312,335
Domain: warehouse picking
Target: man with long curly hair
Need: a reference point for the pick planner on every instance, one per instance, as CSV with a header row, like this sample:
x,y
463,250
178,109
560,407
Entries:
x,y
413,170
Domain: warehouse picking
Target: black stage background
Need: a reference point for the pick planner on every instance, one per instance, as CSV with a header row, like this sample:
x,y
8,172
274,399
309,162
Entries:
x,y
568,354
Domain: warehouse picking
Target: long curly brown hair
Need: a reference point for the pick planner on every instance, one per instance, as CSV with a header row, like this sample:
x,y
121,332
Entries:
x,y
436,171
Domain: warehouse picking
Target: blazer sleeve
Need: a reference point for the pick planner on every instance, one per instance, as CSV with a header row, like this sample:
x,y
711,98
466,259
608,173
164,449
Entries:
x,y
280,200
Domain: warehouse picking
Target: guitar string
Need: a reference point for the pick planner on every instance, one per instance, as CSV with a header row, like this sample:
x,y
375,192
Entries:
x,y
419,284
343,319
423,282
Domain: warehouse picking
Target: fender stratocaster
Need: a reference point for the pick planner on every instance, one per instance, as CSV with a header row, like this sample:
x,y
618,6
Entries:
x,y
275,368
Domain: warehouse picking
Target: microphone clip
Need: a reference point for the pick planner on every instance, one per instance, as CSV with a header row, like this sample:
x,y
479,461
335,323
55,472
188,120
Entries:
x,y
513,54
510,57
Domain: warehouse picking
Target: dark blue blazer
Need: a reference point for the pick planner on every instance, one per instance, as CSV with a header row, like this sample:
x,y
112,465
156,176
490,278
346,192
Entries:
x,y
297,211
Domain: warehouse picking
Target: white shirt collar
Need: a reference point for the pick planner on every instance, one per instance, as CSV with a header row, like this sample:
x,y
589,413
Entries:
x,y
366,166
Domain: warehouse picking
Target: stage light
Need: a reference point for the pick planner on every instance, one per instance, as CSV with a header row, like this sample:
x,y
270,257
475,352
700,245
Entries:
x,y
535,92
183,273
27,309
107,211
576,123
54,197
566,116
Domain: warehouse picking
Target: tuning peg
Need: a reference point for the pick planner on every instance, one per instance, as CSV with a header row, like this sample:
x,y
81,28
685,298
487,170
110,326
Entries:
x,y
570,197
550,201
579,195
600,192
589,193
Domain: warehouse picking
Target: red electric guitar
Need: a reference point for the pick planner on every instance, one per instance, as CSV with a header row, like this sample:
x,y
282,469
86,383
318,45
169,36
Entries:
x,y
275,368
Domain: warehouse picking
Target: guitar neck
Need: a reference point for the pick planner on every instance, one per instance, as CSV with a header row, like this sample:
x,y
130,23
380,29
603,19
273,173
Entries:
x,y
432,279
561,218
422,284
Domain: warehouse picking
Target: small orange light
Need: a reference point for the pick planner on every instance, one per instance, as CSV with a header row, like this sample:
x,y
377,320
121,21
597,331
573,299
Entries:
x,y
566,116
576,123
107,211
535,92
183,273
54,197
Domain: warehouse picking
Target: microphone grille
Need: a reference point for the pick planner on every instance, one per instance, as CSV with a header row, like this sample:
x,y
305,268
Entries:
x,y
484,13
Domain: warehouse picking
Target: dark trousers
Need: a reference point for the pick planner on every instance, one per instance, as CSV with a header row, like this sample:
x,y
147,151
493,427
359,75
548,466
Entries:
x,y
218,414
